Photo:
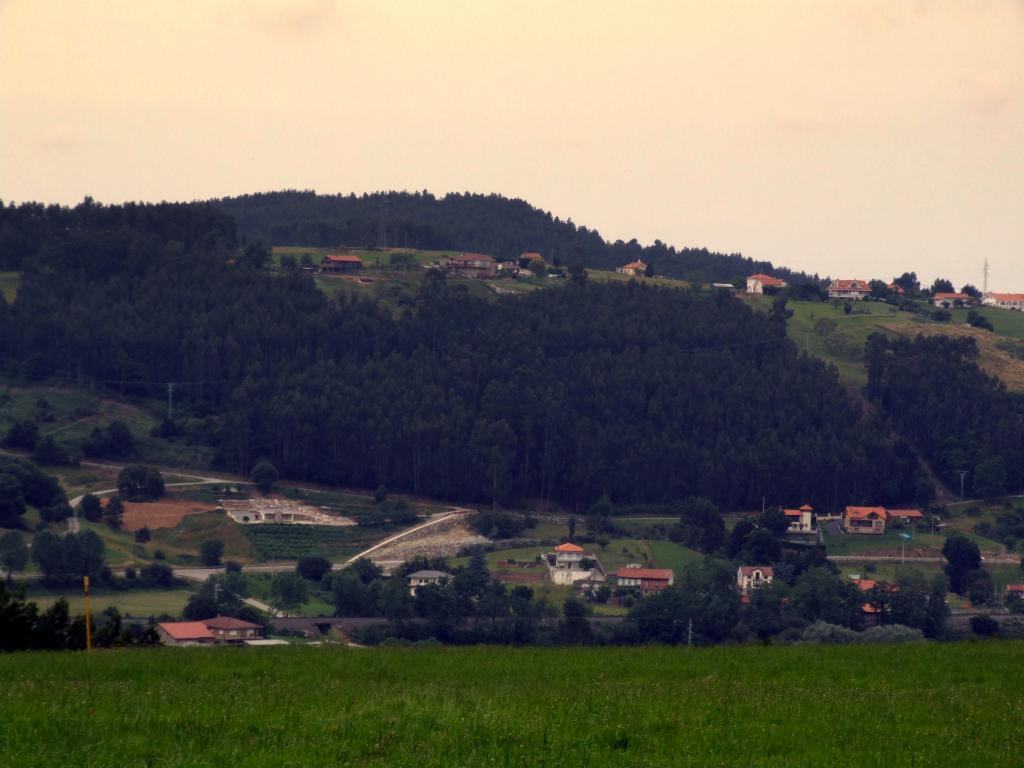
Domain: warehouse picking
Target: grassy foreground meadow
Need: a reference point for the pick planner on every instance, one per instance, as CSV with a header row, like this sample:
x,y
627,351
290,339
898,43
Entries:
x,y
748,706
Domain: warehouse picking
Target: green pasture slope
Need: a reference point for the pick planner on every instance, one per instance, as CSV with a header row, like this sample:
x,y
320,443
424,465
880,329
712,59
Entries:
x,y
863,706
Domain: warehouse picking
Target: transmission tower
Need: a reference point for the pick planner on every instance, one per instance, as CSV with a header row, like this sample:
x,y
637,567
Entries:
x,y
984,288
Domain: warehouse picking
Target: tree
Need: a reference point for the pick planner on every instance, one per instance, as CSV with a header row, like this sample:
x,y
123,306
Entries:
x,y
210,552
962,556
985,626
313,567
49,452
989,477
971,291
977,320
649,269
157,574
395,600
264,474
577,273
143,534
908,282
367,570
774,520
91,508
12,501
22,434
538,267
879,289
288,591
820,595
572,527
13,553
700,525
381,494
140,483
113,513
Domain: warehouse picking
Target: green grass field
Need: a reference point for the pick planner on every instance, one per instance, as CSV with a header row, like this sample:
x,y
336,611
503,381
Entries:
x,y
10,282
138,603
755,707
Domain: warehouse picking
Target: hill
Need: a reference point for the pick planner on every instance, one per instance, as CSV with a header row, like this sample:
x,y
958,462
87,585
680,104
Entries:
x,y
767,707
492,224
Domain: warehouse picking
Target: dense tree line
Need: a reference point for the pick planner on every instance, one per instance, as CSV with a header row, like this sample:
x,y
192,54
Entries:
x,y
490,224
959,418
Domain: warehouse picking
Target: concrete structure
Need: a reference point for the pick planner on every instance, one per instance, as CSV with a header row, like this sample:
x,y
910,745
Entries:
x,y
421,578
566,567
1014,301
764,284
849,289
633,269
185,633
340,263
472,265
750,577
800,520
870,520
950,300
227,629
646,580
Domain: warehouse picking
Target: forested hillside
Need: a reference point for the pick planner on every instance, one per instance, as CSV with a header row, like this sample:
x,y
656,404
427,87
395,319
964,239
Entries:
x,y
648,394
490,224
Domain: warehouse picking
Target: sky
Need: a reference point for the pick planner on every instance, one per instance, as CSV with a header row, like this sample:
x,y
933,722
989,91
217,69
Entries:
x,y
851,138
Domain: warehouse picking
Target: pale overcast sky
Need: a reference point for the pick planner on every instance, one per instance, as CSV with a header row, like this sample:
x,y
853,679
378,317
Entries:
x,y
856,138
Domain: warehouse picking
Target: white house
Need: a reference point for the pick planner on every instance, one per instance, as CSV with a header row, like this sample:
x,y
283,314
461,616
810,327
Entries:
x,y
800,520
764,284
420,578
565,565
849,289
754,576
947,300
633,269
1014,301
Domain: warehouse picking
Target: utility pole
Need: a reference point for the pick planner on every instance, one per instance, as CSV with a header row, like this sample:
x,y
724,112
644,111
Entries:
x,y
689,632
762,505
170,401
88,615
962,473
984,289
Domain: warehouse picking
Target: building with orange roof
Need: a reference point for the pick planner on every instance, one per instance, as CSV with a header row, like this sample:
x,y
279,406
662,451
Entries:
x,y
800,520
633,269
870,520
645,580
760,283
849,289
750,577
566,565
183,633
343,262
1014,301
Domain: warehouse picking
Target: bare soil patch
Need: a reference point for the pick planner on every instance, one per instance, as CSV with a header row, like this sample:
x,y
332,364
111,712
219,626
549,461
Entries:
x,y
160,514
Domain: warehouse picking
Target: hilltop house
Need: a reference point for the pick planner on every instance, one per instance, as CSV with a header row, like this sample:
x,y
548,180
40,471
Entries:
x,y
1014,301
646,580
184,633
800,520
227,629
633,269
528,257
849,289
870,520
947,300
420,578
754,577
764,284
906,516
341,263
566,565
473,265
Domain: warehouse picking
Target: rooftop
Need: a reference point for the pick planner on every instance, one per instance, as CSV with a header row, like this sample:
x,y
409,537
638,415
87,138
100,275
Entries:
x,y
568,547
656,574
186,630
229,622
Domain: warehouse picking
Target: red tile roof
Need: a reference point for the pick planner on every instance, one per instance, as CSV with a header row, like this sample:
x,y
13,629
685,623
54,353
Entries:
x,y
187,630
767,280
653,574
530,255
906,514
473,257
952,296
344,257
850,285
863,513
766,570
568,547
895,287
229,622
635,265
1007,296
1015,588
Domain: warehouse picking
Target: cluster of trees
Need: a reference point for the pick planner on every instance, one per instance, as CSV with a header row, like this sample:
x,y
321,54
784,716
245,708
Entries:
x,y
23,483
492,224
959,418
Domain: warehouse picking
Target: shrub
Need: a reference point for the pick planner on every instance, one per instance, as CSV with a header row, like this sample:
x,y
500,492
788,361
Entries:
x,y
140,483
264,475
210,552
985,626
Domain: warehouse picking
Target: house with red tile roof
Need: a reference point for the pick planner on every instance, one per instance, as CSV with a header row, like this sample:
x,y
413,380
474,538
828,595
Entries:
x,y
906,516
1014,301
800,520
646,580
750,577
567,565
340,263
183,633
948,300
849,289
633,269
473,265
761,283
227,629
870,520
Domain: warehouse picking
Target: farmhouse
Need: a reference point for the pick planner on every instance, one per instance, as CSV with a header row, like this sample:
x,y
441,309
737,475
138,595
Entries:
x,y
1014,301
230,630
473,265
754,576
421,578
947,300
633,269
566,565
849,289
340,263
183,633
647,580
865,520
764,284
800,520
906,516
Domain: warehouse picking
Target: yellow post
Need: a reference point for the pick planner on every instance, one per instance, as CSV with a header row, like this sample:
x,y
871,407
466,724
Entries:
x,y
88,615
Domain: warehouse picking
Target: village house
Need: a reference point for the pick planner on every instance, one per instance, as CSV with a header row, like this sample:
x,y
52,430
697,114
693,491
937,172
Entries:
x,y
800,520
473,265
528,257
849,289
633,269
896,288
185,633
567,565
421,578
764,284
906,516
1014,592
646,580
341,263
227,629
870,520
1014,301
948,300
750,577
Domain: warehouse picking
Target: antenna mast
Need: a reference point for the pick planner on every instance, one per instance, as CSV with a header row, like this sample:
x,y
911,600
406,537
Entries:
x,y
984,289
